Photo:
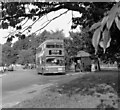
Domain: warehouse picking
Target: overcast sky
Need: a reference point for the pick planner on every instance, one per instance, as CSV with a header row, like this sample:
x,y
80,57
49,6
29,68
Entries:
x,y
64,22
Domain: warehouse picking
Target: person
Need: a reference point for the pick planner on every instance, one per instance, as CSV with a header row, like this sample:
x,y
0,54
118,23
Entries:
x,y
93,67
75,63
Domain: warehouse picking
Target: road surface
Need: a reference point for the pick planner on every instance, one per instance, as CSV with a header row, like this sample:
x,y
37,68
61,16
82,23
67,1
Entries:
x,y
23,84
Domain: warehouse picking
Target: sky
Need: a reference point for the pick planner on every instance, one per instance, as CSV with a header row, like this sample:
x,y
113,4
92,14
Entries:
x,y
62,23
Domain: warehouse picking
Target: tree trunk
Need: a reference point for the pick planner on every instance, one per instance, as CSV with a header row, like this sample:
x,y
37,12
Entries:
x,y
118,65
99,65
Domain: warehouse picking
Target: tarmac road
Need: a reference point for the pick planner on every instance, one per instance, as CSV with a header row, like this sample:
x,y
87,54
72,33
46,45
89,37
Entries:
x,y
20,85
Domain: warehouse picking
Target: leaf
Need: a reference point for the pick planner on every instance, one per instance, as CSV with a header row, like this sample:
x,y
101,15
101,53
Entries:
x,y
102,44
19,27
73,26
112,14
105,39
9,39
103,22
95,26
34,18
110,20
22,36
117,21
96,38
4,25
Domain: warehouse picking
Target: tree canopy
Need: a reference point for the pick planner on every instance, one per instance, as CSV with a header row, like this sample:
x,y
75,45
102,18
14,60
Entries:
x,y
15,12
101,18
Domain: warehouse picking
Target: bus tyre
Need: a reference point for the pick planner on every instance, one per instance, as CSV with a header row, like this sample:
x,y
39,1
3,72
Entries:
x,y
38,73
63,73
42,73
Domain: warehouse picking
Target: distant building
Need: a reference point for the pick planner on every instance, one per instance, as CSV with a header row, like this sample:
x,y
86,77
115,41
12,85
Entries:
x,y
0,54
82,61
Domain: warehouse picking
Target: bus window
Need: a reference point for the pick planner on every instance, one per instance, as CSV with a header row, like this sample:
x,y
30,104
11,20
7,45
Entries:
x,y
54,46
50,46
59,46
54,61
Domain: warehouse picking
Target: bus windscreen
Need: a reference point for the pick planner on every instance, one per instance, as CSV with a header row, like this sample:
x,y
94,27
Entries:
x,y
55,61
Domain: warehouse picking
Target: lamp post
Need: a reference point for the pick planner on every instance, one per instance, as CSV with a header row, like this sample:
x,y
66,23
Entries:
x,y
0,55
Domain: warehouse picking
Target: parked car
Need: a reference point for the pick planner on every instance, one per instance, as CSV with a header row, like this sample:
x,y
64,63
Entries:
x,y
2,69
29,66
10,68
25,66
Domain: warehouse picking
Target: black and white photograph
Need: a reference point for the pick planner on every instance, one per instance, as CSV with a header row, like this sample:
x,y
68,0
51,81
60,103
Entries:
x,y
60,54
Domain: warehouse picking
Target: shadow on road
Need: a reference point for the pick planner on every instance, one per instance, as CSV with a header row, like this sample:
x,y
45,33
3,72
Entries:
x,y
53,74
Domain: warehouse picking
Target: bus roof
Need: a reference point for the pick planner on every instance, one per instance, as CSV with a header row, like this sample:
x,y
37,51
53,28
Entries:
x,y
51,40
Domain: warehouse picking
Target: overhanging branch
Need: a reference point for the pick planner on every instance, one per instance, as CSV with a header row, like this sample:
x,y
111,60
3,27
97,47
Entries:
x,y
74,6
51,21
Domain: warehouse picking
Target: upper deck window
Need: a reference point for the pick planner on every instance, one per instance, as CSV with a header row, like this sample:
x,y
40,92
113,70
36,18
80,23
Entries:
x,y
54,46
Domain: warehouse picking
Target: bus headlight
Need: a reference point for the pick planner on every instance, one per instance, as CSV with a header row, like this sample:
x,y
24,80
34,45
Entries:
x,y
60,69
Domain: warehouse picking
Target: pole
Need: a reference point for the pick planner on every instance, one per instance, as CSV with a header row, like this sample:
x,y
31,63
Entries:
x,y
0,54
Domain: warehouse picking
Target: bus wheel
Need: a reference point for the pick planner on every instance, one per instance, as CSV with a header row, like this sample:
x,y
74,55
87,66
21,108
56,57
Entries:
x,y
43,73
63,73
38,73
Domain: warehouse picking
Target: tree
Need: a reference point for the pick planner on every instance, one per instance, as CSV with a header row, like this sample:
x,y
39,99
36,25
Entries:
x,y
106,34
22,44
58,34
75,43
9,55
0,54
14,13
103,14
26,57
103,29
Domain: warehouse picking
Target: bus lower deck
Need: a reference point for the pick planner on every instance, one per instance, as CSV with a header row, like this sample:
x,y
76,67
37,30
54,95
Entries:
x,y
52,65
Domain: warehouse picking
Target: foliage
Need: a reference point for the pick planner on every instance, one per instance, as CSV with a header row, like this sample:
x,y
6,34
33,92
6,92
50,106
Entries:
x,y
103,29
0,54
106,35
23,51
22,44
79,41
9,55
26,57
102,17
75,43
15,12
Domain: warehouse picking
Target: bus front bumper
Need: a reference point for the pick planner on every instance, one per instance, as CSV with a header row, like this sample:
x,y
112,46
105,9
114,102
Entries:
x,y
55,70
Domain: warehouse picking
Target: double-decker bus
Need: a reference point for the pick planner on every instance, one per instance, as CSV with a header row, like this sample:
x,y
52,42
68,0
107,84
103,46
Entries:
x,y
50,57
